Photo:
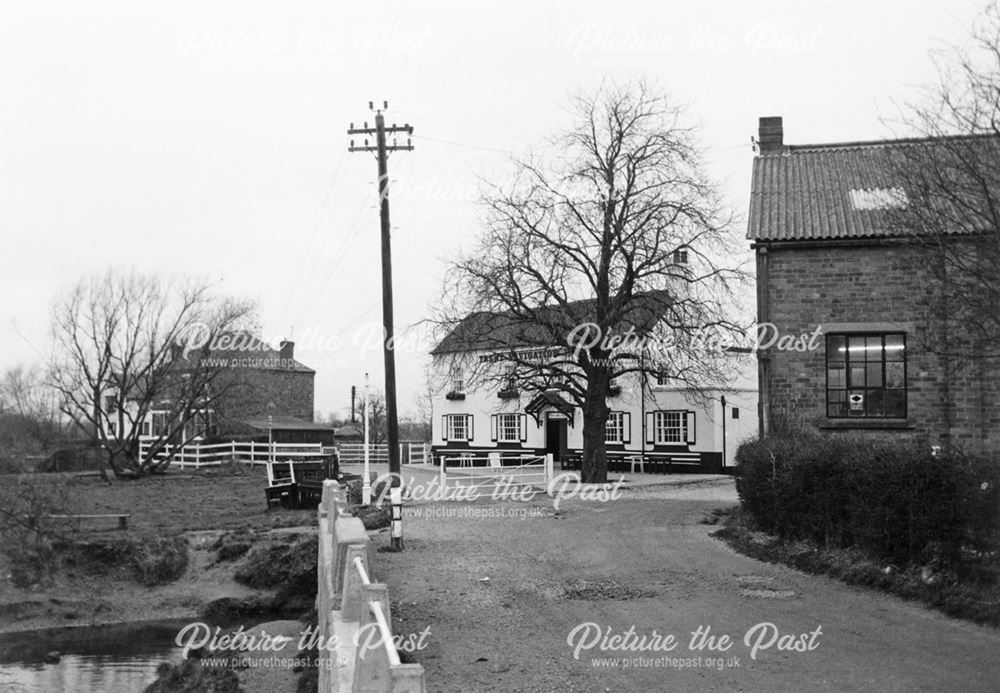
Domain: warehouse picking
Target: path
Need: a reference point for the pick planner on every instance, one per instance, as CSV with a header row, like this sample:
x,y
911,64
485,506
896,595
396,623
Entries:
x,y
509,633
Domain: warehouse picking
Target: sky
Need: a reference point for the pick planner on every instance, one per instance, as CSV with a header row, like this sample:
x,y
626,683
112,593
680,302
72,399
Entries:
x,y
208,139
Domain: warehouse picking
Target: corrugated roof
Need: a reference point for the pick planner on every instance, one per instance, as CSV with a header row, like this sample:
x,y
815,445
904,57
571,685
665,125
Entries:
x,y
835,191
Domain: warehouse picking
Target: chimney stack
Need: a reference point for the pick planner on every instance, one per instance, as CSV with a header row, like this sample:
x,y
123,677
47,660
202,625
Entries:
x,y
770,135
287,349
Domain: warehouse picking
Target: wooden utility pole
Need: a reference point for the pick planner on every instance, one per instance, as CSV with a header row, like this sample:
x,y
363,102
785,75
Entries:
x,y
381,150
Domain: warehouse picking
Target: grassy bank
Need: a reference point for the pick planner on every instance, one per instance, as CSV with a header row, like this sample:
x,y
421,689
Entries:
x,y
977,601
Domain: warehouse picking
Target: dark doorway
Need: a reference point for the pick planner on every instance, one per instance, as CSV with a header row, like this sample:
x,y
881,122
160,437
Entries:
x,y
555,438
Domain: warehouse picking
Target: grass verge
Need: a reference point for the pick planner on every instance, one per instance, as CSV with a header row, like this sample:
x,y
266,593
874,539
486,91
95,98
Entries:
x,y
974,601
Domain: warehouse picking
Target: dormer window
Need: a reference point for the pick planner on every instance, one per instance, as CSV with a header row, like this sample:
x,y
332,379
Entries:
x,y
681,256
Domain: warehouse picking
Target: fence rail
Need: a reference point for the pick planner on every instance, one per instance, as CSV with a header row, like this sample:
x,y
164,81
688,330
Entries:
x,y
410,452
197,455
348,601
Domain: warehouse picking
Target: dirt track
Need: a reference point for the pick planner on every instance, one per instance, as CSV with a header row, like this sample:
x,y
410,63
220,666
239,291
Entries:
x,y
549,573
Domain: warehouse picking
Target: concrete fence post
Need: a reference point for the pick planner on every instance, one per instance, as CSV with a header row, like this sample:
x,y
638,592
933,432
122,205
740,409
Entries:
x,y
371,661
351,603
549,473
329,501
407,678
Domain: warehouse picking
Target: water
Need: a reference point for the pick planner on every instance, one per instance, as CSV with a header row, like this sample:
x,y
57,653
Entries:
x,y
98,659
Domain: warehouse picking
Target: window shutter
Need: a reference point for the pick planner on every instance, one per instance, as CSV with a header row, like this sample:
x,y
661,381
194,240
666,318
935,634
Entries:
x,y
468,427
494,424
627,428
444,427
523,421
690,428
650,429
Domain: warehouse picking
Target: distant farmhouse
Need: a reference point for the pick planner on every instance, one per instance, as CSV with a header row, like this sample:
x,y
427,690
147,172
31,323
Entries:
x,y
259,391
830,256
669,427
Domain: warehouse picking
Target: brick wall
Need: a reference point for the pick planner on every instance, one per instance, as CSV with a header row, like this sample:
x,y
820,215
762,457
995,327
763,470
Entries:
x,y
802,287
250,391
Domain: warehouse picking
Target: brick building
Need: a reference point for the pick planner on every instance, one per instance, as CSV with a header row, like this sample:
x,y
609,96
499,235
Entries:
x,y
831,259
258,392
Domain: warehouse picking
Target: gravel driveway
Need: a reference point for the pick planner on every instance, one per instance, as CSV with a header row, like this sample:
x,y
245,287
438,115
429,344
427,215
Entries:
x,y
502,586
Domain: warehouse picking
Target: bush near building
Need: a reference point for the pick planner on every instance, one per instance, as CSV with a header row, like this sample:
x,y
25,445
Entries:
x,y
898,503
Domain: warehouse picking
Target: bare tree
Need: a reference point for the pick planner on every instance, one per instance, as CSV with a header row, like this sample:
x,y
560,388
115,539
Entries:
x,y
425,406
620,232
952,189
27,397
127,345
376,416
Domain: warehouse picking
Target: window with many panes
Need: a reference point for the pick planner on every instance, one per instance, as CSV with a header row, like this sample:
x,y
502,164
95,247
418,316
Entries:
x,y
457,381
508,428
866,375
159,423
614,429
458,427
670,427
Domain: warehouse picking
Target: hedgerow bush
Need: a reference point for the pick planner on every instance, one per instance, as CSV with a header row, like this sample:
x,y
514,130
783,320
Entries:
x,y
896,501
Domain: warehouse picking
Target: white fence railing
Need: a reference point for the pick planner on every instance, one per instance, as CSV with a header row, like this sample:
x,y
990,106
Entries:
x,y
347,601
197,455
410,452
494,470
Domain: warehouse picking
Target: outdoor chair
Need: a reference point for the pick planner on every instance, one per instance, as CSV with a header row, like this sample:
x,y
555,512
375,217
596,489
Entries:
x,y
637,460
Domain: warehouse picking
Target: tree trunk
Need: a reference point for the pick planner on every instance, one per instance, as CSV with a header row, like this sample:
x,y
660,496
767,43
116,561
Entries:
x,y
594,469
124,464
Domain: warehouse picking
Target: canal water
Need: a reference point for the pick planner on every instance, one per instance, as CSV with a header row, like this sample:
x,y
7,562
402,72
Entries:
x,y
99,659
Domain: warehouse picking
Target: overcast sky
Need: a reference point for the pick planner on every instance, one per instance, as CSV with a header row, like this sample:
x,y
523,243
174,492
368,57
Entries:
x,y
208,138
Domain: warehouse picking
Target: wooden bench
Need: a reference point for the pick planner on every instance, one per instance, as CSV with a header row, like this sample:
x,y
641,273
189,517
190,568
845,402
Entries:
x,y
121,517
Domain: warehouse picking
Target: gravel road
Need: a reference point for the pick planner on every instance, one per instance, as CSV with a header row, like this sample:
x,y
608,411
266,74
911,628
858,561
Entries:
x,y
512,591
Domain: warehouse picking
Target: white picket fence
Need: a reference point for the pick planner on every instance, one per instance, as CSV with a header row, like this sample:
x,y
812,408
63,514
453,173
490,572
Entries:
x,y
410,452
197,455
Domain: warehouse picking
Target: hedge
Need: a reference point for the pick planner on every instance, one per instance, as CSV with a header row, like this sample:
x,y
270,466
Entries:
x,y
896,501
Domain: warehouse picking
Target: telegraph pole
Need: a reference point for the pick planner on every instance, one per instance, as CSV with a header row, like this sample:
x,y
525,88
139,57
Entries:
x,y
381,150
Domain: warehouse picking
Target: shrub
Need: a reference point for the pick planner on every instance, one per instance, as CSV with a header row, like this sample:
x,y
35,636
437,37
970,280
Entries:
x,y
192,677
149,560
897,502
26,539
157,560
379,486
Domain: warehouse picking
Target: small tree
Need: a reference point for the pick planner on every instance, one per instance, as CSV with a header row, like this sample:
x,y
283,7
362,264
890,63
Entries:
x,y
128,344
30,407
620,233
376,416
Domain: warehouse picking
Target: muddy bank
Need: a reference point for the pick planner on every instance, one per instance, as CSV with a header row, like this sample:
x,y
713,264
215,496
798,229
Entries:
x,y
222,576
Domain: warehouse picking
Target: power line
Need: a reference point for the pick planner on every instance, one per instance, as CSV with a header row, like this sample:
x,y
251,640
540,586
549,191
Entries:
x,y
312,236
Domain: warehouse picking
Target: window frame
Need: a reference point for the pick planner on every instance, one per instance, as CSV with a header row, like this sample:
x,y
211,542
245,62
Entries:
x,y
449,428
623,428
681,428
504,428
847,380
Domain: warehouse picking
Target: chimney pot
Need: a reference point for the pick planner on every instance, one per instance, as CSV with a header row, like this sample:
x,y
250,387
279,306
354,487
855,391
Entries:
x,y
770,135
